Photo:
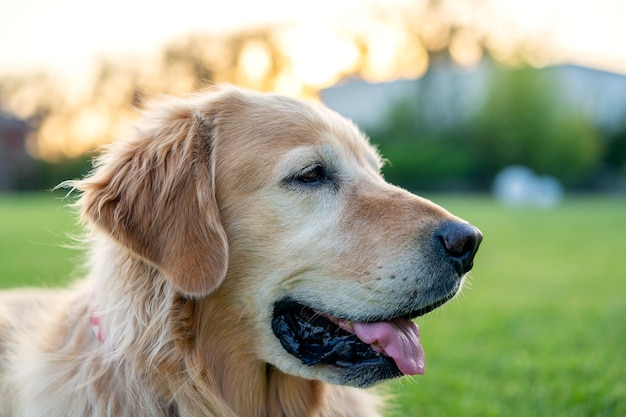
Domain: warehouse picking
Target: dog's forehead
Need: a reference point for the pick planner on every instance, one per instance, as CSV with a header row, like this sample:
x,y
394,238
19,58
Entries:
x,y
332,153
275,132
327,134
334,142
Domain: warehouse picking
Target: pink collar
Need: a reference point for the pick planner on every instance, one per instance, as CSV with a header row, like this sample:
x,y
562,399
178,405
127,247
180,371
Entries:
x,y
95,325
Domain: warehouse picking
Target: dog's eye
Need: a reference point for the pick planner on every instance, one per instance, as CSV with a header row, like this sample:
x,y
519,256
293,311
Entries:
x,y
312,175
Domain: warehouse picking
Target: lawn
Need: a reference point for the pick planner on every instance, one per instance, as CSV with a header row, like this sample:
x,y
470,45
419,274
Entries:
x,y
539,330
36,239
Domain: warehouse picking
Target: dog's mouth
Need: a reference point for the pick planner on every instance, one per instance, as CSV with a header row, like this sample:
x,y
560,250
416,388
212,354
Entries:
x,y
366,351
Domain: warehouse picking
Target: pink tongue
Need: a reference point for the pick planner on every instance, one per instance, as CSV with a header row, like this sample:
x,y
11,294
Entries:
x,y
399,339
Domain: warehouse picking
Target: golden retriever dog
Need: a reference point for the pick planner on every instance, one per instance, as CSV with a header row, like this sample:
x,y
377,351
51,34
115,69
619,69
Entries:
x,y
245,258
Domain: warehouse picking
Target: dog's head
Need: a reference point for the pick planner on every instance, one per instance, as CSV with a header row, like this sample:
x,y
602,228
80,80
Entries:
x,y
279,206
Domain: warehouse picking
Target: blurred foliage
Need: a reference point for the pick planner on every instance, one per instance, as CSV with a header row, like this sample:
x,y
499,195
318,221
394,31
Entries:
x,y
615,154
46,175
420,156
519,122
52,174
522,121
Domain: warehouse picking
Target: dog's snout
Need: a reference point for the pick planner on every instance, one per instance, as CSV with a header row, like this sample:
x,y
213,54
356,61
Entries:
x,y
460,241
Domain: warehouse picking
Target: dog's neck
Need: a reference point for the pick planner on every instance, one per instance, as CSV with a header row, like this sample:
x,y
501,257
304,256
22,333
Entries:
x,y
248,385
187,350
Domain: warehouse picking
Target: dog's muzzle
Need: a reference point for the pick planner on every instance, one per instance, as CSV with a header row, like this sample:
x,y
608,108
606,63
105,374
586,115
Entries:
x,y
365,352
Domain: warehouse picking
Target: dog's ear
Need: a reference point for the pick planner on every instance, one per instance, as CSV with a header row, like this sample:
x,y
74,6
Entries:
x,y
155,194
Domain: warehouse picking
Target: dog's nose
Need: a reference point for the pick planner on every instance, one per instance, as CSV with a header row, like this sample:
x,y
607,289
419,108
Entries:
x,y
460,241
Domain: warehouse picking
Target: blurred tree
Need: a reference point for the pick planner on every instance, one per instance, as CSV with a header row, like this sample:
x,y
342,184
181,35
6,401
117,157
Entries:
x,y
377,42
35,99
612,174
436,142
425,143
615,155
524,121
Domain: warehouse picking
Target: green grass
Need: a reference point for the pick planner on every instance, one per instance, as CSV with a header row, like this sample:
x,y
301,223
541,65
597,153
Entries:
x,y
35,240
540,329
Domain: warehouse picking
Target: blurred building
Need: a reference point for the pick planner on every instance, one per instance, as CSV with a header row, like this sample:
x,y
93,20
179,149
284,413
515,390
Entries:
x,y
449,95
16,165
600,95
445,94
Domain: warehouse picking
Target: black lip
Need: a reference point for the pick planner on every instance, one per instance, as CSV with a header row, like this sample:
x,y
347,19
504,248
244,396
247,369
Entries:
x,y
315,340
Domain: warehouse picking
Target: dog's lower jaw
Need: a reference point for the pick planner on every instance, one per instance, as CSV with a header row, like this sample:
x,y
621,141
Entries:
x,y
223,361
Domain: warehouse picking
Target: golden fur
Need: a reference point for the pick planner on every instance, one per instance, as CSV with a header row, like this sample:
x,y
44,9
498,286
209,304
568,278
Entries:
x,y
193,234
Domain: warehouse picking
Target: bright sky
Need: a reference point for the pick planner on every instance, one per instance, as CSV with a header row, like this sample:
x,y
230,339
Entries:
x,y
63,34
67,35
